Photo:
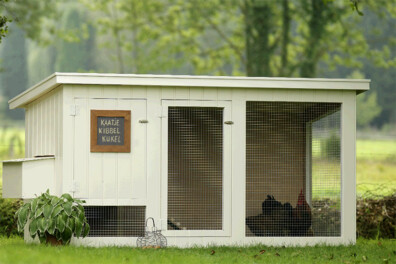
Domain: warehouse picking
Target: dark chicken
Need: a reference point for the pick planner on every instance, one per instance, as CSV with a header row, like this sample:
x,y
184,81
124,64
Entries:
x,y
281,220
302,217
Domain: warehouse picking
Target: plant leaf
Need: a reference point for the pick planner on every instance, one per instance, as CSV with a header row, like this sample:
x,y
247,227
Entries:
x,y
34,204
39,211
33,228
56,210
78,227
51,226
23,217
71,223
55,200
86,230
41,225
81,217
60,223
47,210
68,208
67,197
66,235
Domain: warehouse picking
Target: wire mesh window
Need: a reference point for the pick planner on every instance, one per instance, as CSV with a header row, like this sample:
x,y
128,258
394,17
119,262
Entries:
x,y
195,168
116,221
293,172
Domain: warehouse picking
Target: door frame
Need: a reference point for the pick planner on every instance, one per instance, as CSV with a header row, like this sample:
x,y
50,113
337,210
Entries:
x,y
227,136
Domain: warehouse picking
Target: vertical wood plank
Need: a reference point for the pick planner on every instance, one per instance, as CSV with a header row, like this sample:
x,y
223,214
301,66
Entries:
x,y
154,115
81,163
68,139
210,93
348,167
96,163
238,147
196,93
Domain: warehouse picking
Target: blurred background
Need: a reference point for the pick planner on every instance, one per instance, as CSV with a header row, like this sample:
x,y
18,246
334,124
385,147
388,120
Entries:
x,y
279,38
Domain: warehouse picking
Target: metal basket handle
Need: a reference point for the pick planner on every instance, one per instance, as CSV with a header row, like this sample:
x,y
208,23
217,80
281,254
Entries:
x,y
154,228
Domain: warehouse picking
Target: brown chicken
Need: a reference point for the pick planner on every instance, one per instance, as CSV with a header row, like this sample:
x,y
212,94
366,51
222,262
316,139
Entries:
x,y
301,217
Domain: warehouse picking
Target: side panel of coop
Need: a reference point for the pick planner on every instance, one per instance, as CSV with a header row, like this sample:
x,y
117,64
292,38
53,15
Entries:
x,y
43,130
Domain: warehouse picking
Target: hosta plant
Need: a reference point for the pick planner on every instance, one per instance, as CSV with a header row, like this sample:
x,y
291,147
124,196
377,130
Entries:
x,y
53,218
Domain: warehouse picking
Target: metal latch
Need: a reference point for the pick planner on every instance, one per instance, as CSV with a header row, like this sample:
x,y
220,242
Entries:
x,y
143,121
228,122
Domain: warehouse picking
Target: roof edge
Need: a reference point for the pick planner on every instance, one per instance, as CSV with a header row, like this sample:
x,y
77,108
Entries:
x,y
57,78
34,92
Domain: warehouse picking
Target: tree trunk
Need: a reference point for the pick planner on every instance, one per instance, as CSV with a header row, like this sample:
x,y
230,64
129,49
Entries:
x,y
258,19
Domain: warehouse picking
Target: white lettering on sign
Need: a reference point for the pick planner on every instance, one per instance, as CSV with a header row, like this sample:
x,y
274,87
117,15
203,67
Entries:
x,y
111,139
110,131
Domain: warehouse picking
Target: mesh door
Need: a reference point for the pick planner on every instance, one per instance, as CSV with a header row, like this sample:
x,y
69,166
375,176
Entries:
x,y
195,168
293,170
116,221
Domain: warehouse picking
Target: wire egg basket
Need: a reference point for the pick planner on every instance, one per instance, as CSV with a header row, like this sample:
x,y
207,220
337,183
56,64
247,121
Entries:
x,y
152,238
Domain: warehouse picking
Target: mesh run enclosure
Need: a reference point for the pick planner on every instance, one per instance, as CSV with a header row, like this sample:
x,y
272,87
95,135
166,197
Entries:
x,y
195,168
116,221
293,171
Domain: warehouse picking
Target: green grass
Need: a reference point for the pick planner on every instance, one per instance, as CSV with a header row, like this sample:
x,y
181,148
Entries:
x,y
14,251
376,167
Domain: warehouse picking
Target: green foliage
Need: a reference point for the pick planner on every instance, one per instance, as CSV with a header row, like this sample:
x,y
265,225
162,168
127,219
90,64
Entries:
x,y
376,217
74,52
36,17
367,109
8,223
14,76
61,217
332,146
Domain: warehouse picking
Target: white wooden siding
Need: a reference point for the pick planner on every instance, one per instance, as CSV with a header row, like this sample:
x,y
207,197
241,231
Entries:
x,y
43,129
109,178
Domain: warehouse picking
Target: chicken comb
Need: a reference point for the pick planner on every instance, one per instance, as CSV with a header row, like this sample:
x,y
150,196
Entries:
x,y
301,198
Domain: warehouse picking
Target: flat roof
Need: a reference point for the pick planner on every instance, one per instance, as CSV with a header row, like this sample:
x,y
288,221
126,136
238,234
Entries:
x,y
58,78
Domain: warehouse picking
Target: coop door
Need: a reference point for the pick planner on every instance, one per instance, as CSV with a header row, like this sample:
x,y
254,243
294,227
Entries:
x,y
196,168
110,178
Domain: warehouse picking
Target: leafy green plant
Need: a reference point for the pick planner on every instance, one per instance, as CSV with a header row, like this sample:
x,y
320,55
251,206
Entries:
x,y
51,217
8,224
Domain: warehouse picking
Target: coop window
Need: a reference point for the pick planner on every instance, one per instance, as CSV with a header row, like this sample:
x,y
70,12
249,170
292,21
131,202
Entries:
x,y
293,169
195,168
115,221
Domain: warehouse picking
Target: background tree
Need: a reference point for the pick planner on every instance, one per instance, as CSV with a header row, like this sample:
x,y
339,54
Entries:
x,y
74,50
15,75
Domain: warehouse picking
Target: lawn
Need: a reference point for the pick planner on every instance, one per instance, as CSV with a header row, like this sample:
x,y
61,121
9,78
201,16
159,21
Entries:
x,y
376,166
14,251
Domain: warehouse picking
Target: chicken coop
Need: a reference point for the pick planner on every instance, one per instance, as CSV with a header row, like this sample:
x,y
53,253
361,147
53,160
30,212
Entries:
x,y
214,160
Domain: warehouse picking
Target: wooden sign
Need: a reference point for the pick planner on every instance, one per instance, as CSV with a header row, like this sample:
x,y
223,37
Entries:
x,y
110,131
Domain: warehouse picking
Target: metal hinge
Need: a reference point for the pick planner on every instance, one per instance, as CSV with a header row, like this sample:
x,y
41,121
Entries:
x,y
229,122
74,110
143,121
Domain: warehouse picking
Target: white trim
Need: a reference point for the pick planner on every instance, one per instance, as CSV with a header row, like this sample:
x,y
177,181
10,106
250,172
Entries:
x,y
308,162
57,79
27,159
227,217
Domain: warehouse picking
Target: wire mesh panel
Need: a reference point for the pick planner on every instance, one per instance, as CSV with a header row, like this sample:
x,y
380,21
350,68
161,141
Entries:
x,y
293,171
195,168
116,221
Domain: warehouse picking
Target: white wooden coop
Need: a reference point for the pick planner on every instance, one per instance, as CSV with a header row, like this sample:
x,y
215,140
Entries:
x,y
214,160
